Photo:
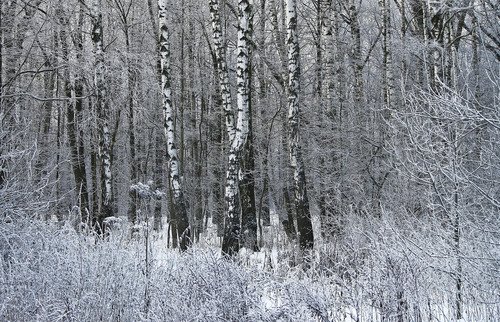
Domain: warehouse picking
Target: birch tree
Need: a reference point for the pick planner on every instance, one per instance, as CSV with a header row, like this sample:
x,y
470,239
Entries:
x,y
223,76
304,225
180,216
232,231
280,74
220,51
247,178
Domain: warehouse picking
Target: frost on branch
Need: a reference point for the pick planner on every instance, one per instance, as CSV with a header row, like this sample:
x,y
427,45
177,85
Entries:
x,y
145,191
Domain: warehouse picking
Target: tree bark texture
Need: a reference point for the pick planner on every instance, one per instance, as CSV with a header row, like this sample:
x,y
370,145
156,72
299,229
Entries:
x,y
247,189
232,231
220,52
102,107
304,225
179,204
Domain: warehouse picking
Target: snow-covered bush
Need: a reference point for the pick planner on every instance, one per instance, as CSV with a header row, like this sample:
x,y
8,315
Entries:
x,y
50,272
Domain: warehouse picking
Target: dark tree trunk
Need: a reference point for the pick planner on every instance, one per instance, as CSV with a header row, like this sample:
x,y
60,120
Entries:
x,y
102,107
131,79
247,192
73,120
304,225
158,174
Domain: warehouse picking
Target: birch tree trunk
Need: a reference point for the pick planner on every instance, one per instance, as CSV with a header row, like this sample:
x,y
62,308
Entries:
x,y
278,30
247,179
232,231
220,52
217,136
304,225
224,92
247,188
179,203
103,117
289,217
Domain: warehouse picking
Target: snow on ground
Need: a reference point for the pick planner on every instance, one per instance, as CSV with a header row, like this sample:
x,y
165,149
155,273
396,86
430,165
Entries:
x,y
52,273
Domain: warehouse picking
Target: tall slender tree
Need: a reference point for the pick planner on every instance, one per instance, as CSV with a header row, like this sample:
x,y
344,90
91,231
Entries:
x,y
232,231
247,178
278,30
263,211
221,98
304,225
102,107
179,204
223,73
73,90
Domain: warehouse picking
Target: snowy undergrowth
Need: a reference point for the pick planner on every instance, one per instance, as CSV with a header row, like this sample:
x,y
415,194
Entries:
x,y
52,273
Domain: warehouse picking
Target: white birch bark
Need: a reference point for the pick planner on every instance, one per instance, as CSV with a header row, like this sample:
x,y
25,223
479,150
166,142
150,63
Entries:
x,y
220,52
179,205
231,241
304,225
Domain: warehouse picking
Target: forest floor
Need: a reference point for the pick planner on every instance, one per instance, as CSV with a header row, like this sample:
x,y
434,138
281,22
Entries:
x,y
52,273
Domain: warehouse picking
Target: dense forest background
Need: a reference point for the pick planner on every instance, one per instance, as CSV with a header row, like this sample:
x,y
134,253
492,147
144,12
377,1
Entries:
x,y
349,147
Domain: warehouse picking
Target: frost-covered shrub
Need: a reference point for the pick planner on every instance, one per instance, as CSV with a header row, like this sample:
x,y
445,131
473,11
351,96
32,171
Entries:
x,y
50,272
382,274
53,273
